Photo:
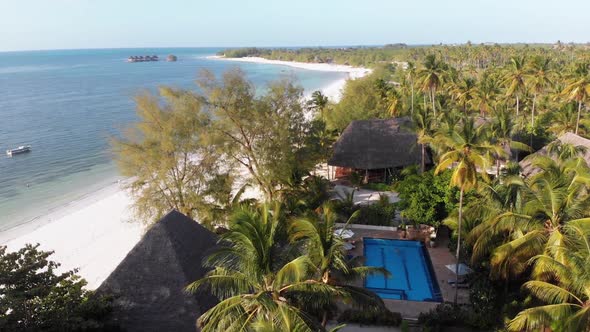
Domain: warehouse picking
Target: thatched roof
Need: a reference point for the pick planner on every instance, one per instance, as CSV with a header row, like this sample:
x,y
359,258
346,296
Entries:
x,y
567,138
148,285
377,144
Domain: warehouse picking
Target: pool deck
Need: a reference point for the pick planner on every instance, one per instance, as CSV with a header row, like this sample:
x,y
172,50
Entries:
x,y
439,255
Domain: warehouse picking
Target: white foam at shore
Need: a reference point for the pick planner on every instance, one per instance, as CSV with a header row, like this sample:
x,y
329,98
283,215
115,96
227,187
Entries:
x,y
94,233
332,91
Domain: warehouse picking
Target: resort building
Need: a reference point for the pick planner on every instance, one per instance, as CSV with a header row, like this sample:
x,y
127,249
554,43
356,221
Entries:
x,y
374,148
526,166
148,285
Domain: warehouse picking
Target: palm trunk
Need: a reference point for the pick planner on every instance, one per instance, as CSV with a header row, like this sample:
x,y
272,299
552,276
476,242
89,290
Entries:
x,y
433,106
533,111
517,106
579,113
458,245
412,102
422,163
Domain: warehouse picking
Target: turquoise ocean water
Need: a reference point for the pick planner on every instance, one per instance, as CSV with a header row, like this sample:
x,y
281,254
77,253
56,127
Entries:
x,y
67,104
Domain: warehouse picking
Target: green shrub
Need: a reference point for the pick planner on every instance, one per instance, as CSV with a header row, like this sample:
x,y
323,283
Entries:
x,y
447,315
34,298
426,198
378,186
371,317
378,214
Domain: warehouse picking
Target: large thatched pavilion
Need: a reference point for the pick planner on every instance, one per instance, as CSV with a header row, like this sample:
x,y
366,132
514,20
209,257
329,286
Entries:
x,y
148,285
375,147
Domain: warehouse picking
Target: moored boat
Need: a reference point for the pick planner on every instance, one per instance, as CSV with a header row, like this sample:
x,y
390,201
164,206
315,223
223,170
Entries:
x,y
20,149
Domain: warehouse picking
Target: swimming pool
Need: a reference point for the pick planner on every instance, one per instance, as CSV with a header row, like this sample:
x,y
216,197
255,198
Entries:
x,y
412,277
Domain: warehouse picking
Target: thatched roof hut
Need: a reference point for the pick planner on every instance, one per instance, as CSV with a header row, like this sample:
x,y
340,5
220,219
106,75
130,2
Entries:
x,y
148,285
567,138
377,144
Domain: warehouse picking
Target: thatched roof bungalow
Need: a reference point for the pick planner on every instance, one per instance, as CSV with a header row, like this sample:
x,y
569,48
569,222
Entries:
x,y
375,146
567,138
148,285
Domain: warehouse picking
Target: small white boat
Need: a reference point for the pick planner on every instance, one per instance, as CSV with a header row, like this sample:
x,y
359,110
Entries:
x,y
20,149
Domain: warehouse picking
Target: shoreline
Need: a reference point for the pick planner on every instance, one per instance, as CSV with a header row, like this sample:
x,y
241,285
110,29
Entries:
x,y
94,231
333,91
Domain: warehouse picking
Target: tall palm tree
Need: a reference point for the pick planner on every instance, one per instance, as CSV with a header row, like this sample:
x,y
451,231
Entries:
x,y
257,280
502,129
564,120
464,92
394,101
562,282
468,155
515,79
556,196
318,102
486,94
578,89
541,77
425,129
410,77
326,252
431,77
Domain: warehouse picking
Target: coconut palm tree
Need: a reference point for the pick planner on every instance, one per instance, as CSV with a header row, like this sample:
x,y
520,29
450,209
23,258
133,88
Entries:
x,y
467,155
515,79
318,102
564,120
464,92
410,77
502,129
425,127
562,283
431,77
394,101
541,77
578,89
486,94
556,196
326,252
256,279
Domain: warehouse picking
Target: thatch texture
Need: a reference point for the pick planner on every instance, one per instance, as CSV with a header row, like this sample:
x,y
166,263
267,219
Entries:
x,y
148,285
377,144
567,138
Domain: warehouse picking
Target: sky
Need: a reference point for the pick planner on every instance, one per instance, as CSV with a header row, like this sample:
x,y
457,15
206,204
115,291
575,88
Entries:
x,y
74,24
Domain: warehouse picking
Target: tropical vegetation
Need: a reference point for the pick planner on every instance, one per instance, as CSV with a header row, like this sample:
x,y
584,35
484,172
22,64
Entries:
x,y
477,111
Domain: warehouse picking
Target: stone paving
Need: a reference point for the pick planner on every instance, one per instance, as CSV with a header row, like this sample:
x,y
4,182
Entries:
x,y
440,256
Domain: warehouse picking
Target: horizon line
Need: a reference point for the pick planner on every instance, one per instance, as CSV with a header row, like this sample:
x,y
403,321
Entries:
x,y
295,46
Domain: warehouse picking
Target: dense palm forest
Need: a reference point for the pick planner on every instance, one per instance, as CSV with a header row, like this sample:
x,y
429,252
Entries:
x,y
487,107
477,111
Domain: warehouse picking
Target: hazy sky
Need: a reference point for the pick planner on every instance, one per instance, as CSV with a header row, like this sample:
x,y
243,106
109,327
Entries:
x,y
54,24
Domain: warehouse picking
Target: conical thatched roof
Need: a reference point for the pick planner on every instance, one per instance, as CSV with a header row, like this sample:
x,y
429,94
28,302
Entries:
x,y
567,138
148,285
377,144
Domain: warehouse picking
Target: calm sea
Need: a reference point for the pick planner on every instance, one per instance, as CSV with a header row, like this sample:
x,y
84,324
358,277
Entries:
x,y
66,104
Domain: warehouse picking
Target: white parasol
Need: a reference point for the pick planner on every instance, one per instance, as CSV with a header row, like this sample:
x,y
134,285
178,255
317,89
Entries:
x,y
344,233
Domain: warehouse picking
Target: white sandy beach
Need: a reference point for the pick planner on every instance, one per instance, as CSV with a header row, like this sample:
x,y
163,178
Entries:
x,y
332,91
95,232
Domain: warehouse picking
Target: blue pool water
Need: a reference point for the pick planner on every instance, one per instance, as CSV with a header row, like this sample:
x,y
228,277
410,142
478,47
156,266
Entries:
x,y
412,277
